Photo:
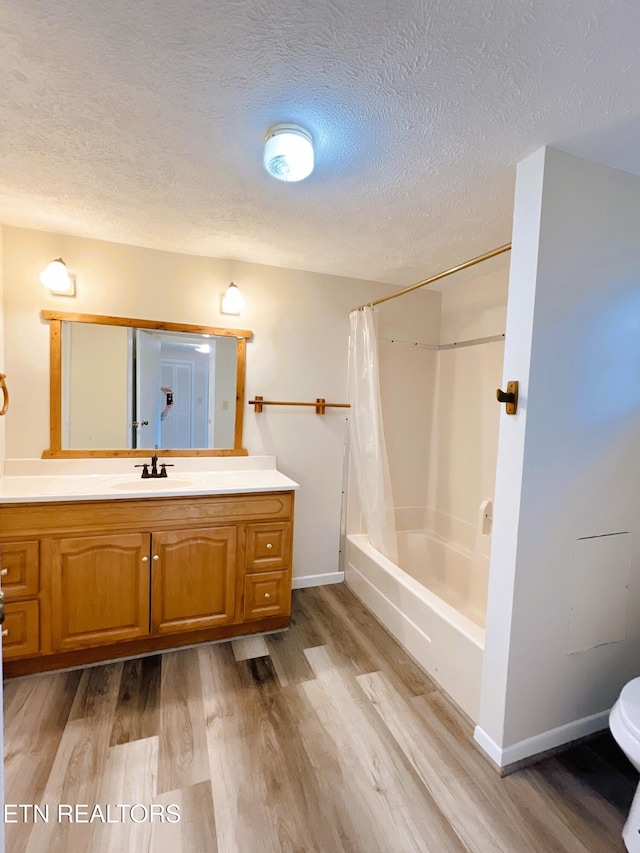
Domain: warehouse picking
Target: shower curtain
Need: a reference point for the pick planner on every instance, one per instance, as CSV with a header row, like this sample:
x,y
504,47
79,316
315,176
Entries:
x,y
367,435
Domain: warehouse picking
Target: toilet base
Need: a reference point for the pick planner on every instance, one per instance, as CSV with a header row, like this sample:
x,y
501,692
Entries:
x,y
631,831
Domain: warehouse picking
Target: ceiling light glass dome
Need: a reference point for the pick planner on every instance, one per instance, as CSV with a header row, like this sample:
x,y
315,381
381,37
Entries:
x,y
288,152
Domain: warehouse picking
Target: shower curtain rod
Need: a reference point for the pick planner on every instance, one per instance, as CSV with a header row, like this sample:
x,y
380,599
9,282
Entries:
x,y
438,276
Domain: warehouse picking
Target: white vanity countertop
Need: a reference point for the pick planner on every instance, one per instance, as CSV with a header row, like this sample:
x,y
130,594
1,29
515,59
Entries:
x,y
116,483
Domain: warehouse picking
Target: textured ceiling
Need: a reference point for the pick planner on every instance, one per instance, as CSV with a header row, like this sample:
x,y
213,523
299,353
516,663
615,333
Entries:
x,y
141,121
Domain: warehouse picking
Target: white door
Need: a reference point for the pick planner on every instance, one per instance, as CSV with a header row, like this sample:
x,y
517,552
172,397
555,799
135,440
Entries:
x,y
178,424
148,390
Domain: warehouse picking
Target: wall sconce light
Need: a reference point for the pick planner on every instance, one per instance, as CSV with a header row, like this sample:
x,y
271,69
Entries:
x,y
288,152
56,278
232,301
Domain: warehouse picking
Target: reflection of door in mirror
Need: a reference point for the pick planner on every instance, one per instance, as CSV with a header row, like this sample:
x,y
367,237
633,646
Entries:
x,y
182,364
146,408
179,423
107,380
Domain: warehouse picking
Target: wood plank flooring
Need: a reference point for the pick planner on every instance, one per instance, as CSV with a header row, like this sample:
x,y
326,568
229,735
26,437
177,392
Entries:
x,y
323,739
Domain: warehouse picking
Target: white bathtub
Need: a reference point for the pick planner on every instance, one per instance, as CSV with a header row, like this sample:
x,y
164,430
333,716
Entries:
x,y
434,606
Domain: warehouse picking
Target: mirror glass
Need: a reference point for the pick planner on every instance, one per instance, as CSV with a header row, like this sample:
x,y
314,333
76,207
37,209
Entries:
x,y
125,385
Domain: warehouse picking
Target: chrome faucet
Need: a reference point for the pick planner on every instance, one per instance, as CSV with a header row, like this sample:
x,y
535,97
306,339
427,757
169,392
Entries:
x,y
155,474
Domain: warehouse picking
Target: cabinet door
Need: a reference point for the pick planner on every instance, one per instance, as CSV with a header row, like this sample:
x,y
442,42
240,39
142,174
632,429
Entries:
x,y
193,579
99,590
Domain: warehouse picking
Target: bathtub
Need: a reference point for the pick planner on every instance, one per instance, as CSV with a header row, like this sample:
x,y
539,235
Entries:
x,y
434,606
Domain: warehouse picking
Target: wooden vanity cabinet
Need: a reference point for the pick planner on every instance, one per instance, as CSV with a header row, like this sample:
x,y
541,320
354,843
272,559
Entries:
x,y
194,579
99,590
20,578
96,580
266,582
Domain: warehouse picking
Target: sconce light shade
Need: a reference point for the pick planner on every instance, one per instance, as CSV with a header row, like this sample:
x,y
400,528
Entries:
x,y
232,301
56,278
288,152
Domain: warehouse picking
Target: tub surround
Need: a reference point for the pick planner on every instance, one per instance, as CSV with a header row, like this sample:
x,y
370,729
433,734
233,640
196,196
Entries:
x,y
104,564
447,643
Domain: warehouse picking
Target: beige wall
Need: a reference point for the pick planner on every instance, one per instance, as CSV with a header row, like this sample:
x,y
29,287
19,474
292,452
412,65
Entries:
x,y
97,404
407,327
466,414
440,411
225,392
3,366
474,303
298,352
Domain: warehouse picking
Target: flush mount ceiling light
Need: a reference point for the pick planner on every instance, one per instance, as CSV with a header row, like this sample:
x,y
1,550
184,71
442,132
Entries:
x,y
56,277
232,301
288,152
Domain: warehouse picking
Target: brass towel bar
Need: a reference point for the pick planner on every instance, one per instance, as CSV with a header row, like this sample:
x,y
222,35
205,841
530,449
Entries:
x,y
320,404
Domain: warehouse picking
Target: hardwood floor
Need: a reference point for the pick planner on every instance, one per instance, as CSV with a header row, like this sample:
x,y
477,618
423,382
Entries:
x,y
326,738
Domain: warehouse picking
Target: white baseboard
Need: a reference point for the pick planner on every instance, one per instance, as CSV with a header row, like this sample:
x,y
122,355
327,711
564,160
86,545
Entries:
x,y
303,581
539,744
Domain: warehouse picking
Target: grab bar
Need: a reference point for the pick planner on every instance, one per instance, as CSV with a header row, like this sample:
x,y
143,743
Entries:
x,y
320,404
5,394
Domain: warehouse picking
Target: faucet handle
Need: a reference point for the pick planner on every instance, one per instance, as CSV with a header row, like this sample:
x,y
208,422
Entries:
x,y
145,470
163,468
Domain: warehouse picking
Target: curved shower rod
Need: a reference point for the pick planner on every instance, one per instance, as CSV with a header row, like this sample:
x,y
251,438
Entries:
x,y
438,276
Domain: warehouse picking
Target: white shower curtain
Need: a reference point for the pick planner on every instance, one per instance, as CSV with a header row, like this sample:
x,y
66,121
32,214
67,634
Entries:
x,y
367,435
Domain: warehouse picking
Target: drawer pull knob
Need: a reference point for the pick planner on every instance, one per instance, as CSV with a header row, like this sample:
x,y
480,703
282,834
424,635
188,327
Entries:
x,y
269,546
266,595
5,632
145,559
155,558
4,572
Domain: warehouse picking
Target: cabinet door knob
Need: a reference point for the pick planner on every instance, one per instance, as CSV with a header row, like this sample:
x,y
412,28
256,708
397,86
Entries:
x,y
5,632
269,546
155,558
145,559
4,572
266,595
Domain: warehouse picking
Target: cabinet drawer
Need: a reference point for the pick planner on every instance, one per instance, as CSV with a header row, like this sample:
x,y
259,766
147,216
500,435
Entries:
x,y
267,594
268,546
23,630
20,560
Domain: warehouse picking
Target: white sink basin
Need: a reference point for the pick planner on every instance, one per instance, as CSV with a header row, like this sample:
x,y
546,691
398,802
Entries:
x,y
153,484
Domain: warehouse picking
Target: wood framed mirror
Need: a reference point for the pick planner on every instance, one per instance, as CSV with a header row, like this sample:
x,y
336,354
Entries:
x,y
120,386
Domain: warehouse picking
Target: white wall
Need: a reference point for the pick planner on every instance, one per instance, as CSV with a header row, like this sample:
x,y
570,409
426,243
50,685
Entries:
x,y
298,352
563,631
